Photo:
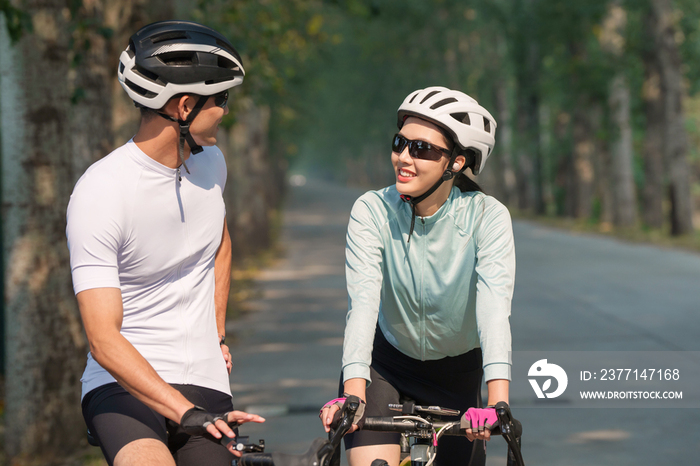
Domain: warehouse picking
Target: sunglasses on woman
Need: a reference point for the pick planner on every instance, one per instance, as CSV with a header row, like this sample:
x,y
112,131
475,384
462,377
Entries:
x,y
417,149
221,99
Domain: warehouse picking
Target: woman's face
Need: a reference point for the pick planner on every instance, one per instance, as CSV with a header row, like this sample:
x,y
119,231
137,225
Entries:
x,y
416,176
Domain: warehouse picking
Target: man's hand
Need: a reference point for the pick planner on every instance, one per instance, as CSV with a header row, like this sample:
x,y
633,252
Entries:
x,y
227,357
197,421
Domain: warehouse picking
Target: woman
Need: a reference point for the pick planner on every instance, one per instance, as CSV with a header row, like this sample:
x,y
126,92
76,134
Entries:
x,y
430,265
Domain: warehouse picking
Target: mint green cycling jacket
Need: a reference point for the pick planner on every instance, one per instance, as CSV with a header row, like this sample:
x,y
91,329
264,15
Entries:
x,y
445,293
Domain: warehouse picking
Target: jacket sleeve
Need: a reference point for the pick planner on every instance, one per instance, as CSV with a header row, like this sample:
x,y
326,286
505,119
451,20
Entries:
x,y
495,268
363,271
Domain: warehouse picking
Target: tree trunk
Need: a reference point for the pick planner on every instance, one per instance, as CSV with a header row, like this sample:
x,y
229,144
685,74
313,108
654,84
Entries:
x,y
45,344
666,50
622,154
654,167
527,153
582,165
91,112
124,18
504,187
248,192
612,39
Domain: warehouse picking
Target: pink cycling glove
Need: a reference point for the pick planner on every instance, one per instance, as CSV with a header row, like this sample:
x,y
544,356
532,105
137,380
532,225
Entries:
x,y
339,402
479,419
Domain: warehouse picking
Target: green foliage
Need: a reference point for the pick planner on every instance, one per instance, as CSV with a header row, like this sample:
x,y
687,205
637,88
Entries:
x,y
17,21
335,71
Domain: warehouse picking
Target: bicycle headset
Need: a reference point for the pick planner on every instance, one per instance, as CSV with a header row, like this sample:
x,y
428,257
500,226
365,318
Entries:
x,y
469,125
170,58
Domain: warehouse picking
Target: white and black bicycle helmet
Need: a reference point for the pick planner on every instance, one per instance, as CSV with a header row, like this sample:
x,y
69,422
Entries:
x,y
471,127
171,58
470,124
168,58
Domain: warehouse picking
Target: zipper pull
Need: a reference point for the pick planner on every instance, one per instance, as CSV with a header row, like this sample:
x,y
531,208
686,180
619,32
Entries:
x,y
178,174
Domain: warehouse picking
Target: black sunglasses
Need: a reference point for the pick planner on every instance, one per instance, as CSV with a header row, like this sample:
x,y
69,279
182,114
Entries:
x,y
417,149
221,99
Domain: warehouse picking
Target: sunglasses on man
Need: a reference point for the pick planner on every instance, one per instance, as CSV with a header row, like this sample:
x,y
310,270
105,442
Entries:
x,y
221,99
417,149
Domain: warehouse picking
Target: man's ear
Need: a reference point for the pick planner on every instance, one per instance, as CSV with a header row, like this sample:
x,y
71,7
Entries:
x,y
185,104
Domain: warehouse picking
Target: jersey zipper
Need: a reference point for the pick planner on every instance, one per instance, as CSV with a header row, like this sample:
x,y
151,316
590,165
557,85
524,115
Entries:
x,y
422,305
183,300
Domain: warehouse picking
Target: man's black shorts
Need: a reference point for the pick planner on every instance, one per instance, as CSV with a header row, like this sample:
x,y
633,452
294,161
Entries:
x,y
116,418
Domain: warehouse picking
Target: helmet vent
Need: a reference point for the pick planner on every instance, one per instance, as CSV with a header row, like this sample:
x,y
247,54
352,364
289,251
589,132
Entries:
x,y
226,47
224,62
179,58
462,118
218,80
139,90
130,49
147,74
429,96
173,35
449,100
487,125
413,98
121,68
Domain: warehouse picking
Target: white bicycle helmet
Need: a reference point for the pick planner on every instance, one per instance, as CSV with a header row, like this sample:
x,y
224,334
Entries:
x,y
168,58
470,124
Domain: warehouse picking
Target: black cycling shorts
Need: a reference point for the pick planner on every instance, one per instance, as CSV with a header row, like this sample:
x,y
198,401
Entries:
x,y
116,418
451,382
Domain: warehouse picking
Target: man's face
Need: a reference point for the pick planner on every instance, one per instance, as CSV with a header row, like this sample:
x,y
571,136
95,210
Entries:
x,y
206,124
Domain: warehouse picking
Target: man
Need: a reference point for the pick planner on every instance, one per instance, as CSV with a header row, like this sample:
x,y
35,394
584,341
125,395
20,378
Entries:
x,y
151,257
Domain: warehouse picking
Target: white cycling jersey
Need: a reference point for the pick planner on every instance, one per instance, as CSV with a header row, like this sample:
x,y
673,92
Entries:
x,y
153,232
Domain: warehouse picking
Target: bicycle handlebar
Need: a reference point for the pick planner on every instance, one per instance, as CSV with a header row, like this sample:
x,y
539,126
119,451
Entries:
x,y
390,424
320,451
256,459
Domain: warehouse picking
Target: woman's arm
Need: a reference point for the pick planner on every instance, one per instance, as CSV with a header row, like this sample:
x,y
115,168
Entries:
x,y
363,270
495,270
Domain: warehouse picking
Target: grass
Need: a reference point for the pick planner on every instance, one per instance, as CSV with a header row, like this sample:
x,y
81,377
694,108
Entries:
x,y
635,234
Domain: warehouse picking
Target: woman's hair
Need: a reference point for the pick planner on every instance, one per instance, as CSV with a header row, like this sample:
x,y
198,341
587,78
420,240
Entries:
x,y
461,180
466,184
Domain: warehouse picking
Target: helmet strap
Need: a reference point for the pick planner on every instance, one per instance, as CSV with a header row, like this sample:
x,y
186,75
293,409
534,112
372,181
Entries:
x,y
185,130
414,200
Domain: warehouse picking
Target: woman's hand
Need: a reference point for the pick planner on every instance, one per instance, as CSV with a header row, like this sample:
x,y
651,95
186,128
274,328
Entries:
x,y
351,387
478,423
481,419
328,412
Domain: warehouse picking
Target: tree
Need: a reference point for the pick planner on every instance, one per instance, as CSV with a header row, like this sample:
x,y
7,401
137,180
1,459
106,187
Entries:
x,y
612,39
662,29
45,346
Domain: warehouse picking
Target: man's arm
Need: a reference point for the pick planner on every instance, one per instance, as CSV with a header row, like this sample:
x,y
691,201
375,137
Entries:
x,y
102,312
222,273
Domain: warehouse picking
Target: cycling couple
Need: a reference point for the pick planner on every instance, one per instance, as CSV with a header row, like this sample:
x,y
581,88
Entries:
x,y
430,268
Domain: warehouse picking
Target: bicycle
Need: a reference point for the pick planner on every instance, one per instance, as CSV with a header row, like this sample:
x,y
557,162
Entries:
x,y
426,431
323,452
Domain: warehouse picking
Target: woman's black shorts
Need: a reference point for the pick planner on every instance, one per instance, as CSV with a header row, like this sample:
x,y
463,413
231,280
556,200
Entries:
x,y
451,382
115,418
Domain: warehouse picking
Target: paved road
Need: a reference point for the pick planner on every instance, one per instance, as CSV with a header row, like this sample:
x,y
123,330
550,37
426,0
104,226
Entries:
x,y
573,292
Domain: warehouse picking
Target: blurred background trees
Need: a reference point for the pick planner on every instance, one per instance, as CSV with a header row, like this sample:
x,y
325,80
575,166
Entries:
x,y
597,104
